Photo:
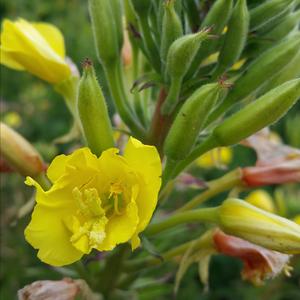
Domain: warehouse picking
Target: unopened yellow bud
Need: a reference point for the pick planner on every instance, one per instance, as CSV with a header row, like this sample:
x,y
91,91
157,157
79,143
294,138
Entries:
x,y
17,151
239,218
261,199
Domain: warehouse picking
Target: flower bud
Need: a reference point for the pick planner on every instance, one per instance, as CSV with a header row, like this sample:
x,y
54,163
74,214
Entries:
x,y
179,59
171,29
216,19
264,111
190,119
239,218
93,112
266,12
37,48
105,31
17,151
235,38
267,65
261,199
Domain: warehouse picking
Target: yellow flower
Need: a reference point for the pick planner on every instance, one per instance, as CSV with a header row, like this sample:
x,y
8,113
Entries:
x,y
261,199
94,203
297,219
218,156
35,47
246,221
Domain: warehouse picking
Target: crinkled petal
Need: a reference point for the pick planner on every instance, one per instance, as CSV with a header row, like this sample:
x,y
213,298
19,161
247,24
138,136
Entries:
x,y
81,159
120,228
146,161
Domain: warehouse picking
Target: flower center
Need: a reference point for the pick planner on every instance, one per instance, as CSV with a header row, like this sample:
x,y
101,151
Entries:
x,y
88,226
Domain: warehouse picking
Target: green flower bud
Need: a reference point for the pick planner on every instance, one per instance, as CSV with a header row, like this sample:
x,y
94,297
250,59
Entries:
x,y
268,11
93,112
263,112
235,38
239,218
105,31
179,59
216,19
116,7
171,29
291,71
190,120
267,65
19,153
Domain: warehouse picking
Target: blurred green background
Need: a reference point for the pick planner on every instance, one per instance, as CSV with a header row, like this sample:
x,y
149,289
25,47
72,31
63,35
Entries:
x,y
36,111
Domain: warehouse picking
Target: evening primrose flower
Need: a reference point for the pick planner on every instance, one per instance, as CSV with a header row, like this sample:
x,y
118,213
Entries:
x,y
37,48
260,227
94,203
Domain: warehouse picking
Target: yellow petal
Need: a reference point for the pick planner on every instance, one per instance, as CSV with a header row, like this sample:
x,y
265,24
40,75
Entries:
x,y
146,161
53,36
47,233
80,159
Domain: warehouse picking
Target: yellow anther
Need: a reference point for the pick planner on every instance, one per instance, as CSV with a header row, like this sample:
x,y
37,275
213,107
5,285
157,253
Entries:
x,y
116,205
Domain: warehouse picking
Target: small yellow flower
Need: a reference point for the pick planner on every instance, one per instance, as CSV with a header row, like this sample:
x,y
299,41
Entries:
x,y
246,221
261,199
35,47
94,203
215,157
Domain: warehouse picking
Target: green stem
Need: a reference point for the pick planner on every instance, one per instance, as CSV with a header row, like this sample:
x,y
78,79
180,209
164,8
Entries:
x,y
150,46
215,187
135,265
117,94
68,89
208,144
112,270
199,215
173,96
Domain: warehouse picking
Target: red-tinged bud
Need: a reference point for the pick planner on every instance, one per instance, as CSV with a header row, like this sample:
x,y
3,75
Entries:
x,y
285,172
259,263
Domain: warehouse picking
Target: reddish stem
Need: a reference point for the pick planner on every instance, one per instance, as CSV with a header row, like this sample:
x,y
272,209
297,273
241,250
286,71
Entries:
x,y
160,124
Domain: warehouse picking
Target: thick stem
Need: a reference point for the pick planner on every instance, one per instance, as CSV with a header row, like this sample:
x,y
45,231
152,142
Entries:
x,y
112,270
160,124
215,187
199,215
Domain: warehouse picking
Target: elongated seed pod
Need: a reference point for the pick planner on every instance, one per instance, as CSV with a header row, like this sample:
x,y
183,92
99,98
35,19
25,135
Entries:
x,y
190,120
216,19
291,71
261,113
179,59
288,25
268,11
171,29
267,65
93,112
235,38
105,32
116,7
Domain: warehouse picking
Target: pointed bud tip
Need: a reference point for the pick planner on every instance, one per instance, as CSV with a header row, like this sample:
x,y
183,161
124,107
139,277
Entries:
x,y
87,63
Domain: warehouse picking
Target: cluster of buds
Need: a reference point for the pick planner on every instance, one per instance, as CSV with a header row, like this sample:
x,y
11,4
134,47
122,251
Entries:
x,y
171,48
